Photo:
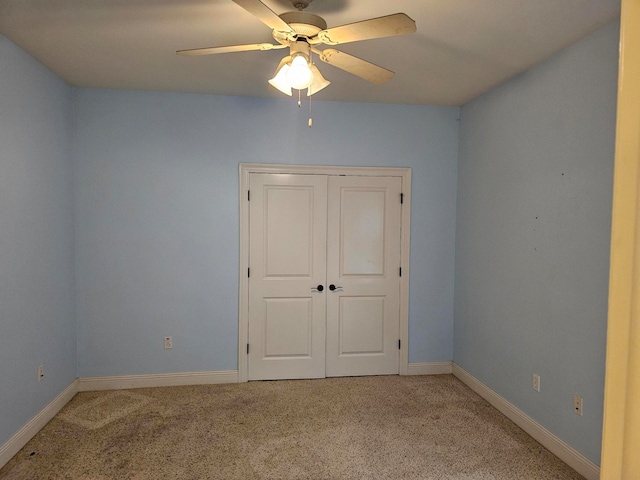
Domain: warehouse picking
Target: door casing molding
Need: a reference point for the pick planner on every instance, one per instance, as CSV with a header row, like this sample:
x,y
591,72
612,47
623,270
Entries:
x,y
245,169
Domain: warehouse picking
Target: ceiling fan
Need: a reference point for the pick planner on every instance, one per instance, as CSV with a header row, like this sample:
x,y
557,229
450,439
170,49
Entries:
x,y
302,33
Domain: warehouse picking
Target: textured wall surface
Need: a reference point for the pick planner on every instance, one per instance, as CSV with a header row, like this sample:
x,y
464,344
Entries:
x,y
37,303
533,228
157,216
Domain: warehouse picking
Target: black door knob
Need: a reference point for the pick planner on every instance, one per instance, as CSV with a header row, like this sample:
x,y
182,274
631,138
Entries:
x,y
320,288
332,287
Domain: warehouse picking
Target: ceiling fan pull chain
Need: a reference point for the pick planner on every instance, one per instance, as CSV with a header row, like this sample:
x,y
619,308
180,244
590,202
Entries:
x,y
299,102
310,62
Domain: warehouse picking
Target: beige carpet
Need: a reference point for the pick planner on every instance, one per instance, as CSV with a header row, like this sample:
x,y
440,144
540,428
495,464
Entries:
x,y
425,427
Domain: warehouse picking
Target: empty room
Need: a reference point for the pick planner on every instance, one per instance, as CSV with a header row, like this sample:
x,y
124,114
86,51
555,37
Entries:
x,y
325,239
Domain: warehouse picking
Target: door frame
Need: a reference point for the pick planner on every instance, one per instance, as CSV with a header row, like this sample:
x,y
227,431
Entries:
x,y
245,169
621,422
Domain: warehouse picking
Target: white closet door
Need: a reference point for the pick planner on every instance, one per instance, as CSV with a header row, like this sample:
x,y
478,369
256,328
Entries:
x,y
324,254
363,260
287,313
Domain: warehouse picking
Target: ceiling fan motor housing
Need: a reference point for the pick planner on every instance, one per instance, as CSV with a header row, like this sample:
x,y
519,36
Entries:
x,y
304,24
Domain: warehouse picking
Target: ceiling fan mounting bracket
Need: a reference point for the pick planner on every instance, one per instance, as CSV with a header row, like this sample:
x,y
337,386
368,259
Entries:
x,y
300,4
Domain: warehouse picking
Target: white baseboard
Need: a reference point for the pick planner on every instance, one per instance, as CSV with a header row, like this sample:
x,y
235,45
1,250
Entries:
x,y
33,426
430,368
156,380
551,442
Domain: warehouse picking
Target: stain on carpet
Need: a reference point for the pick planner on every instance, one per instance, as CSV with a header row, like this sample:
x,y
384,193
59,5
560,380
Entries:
x,y
105,409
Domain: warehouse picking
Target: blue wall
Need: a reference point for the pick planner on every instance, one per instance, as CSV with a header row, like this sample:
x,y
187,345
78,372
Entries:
x,y
533,227
37,304
157,216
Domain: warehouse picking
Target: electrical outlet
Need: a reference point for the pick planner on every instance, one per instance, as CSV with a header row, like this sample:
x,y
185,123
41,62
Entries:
x,y
168,343
536,382
577,405
40,373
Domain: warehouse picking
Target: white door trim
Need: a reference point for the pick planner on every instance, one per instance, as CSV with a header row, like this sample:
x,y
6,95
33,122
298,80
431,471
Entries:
x,y
245,169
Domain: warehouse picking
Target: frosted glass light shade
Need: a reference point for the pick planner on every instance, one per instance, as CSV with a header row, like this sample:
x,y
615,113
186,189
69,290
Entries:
x,y
299,74
280,80
318,82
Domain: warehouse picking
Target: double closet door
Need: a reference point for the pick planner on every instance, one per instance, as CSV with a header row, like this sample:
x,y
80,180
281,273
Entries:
x,y
324,256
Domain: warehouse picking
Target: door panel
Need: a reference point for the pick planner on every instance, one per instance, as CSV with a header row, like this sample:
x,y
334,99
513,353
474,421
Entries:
x,y
363,260
289,226
362,250
287,251
288,326
361,325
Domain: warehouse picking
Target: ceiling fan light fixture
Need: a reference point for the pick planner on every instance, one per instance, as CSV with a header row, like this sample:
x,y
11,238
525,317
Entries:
x,y
299,74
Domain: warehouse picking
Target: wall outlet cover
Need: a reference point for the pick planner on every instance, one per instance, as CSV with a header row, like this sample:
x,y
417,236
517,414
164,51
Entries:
x,y
577,405
536,382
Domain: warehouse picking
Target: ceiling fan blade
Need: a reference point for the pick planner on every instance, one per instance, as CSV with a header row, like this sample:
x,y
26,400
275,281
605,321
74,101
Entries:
x,y
230,49
355,66
389,26
265,15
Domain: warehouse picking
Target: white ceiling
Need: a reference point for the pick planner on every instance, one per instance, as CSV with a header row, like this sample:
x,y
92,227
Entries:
x,y
461,49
